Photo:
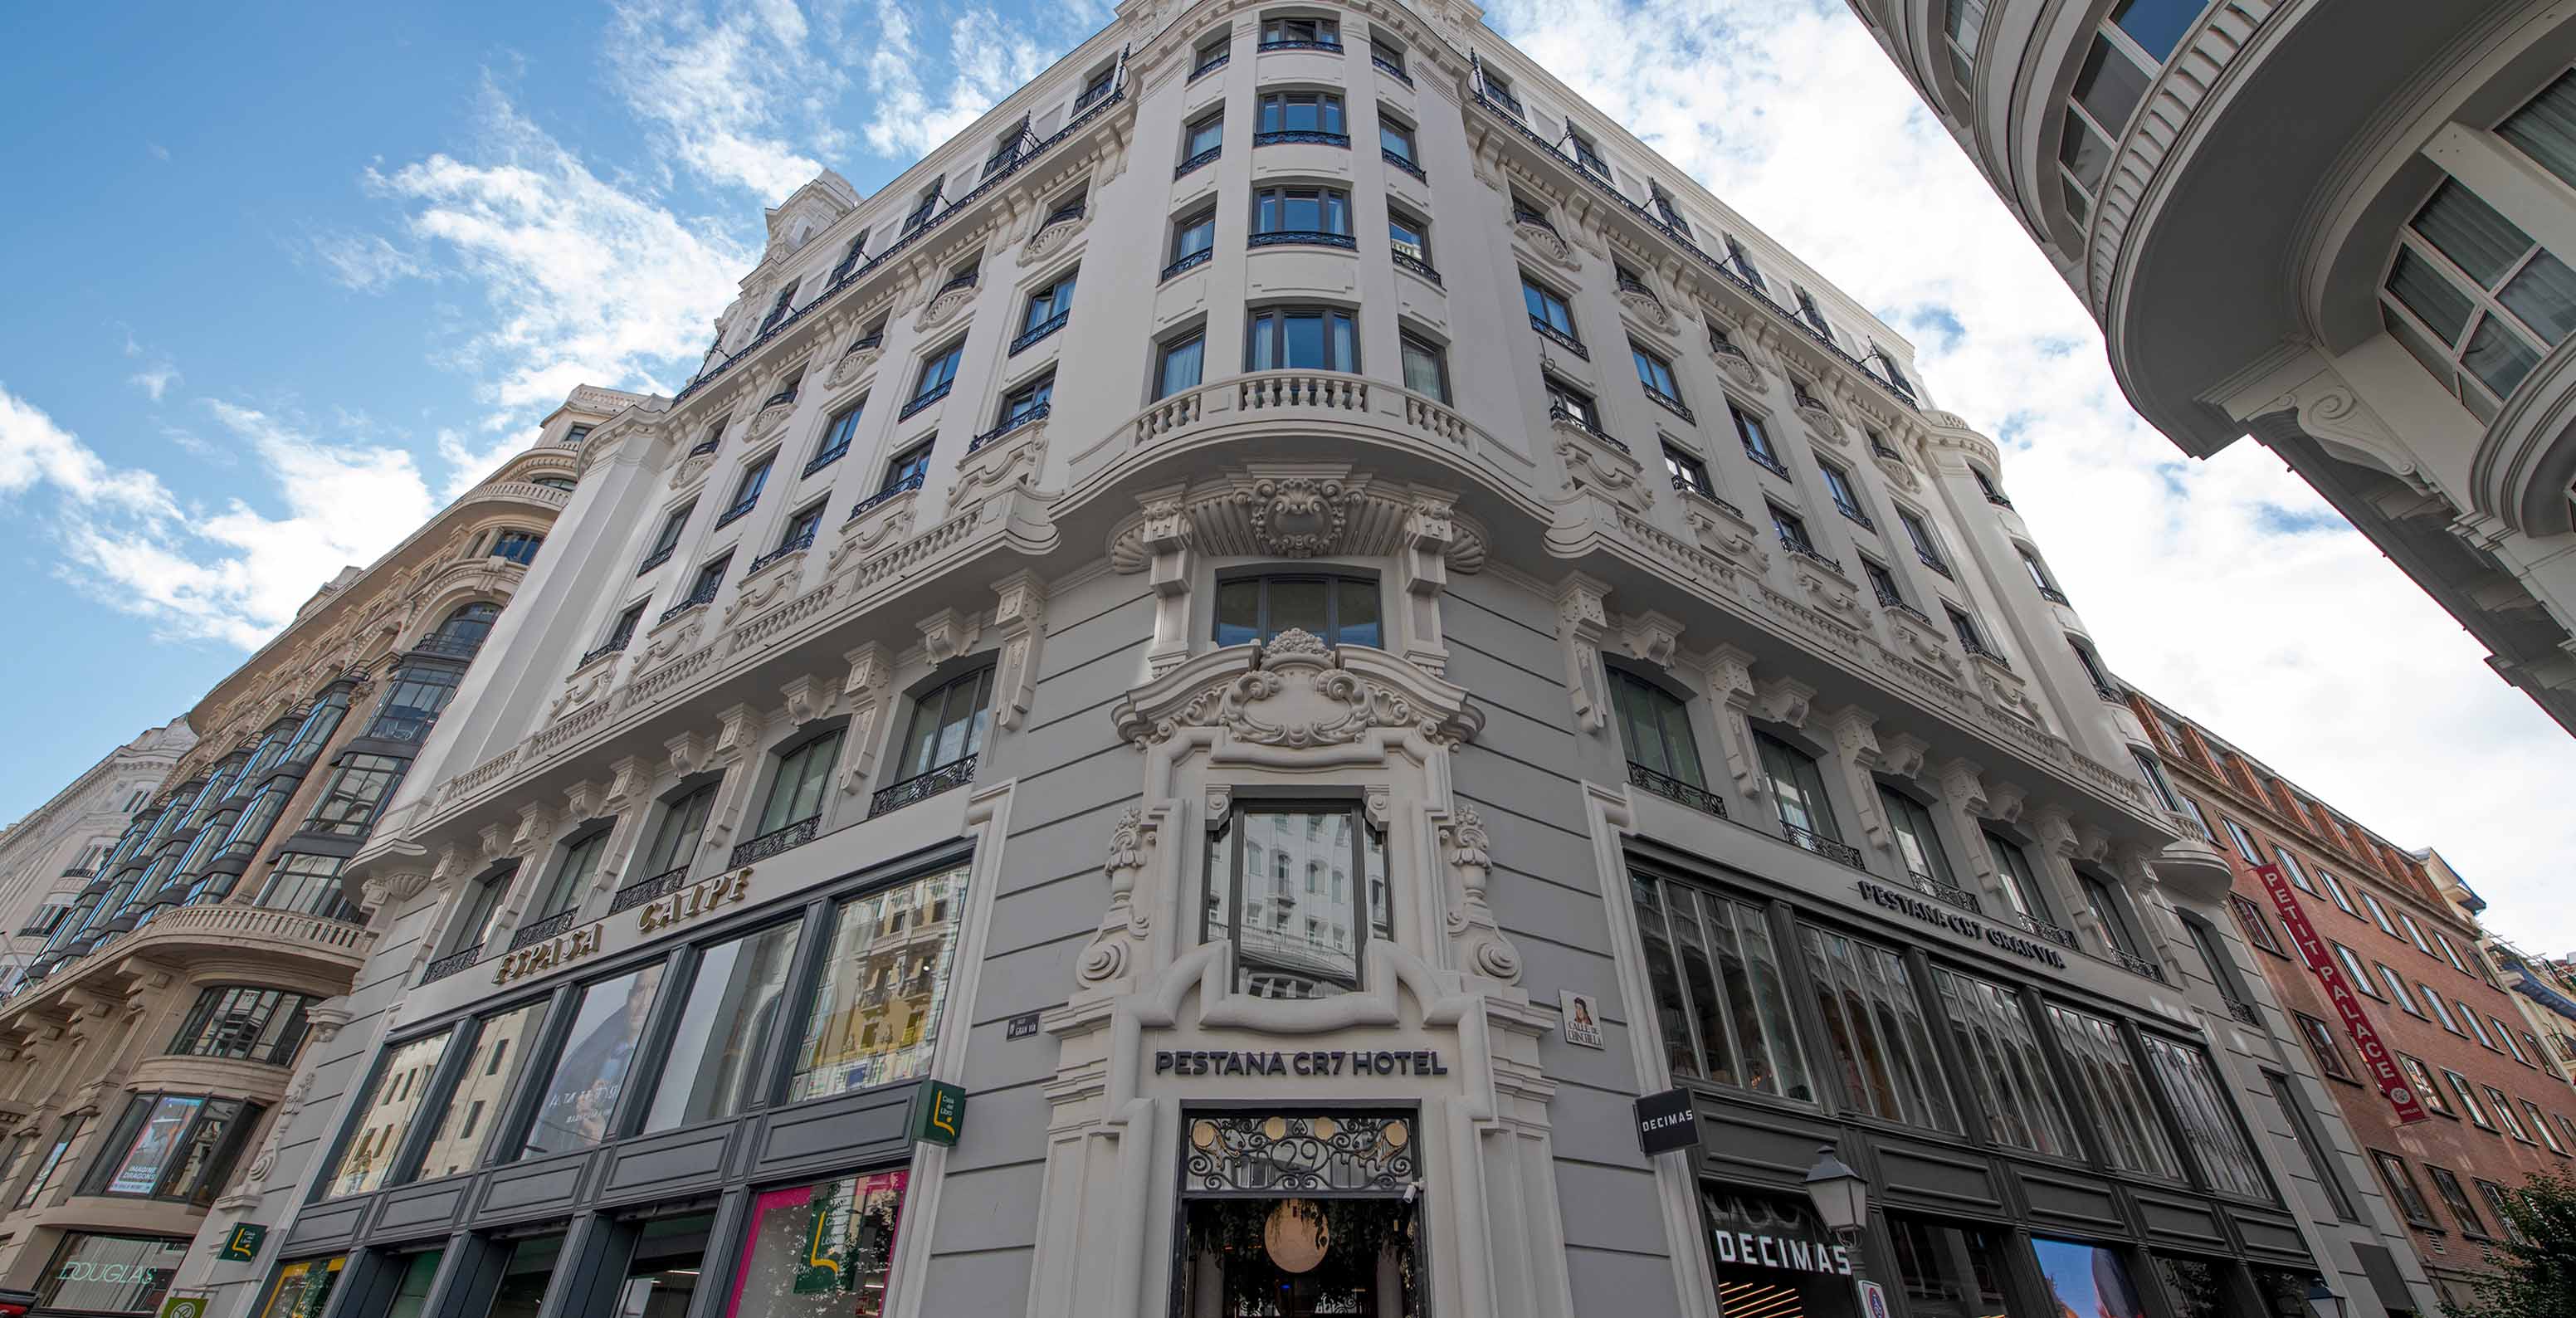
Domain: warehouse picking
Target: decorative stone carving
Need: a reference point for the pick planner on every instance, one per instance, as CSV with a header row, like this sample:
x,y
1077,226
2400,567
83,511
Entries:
x,y
1898,471
386,890
1737,367
1648,308
1731,692
1298,516
1783,700
670,642
1831,591
1856,736
1582,620
1594,465
1054,238
1547,245
775,581
1723,531
1012,459
1284,509
945,307
1422,570
584,686
1922,643
887,523
852,366
1652,637
947,634
1823,424
2004,801
1901,756
1302,696
1127,923
804,698
770,420
1477,938
867,688
1020,620
1963,784
691,469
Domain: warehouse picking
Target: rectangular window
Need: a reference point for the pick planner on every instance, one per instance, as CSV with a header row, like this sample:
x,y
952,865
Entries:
x,y
1721,993
572,874
1656,373
1881,581
907,468
1048,304
2415,934
668,538
141,1149
2209,1125
1027,402
2502,1106
358,788
309,884
2323,1046
1874,1024
1927,547
816,1250
1918,842
1798,792
1339,610
2334,888
579,1100
2539,1125
2021,887
1690,475
2114,1094
1654,725
938,372
1302,338
796,791
2421,1080
502,1046
709,577
1572,404
2245,846
2304,1128
683,827
1838,484
1182,362
2468,1099
2106,909
94,1272
1205,136
2016,1093
1299,32
1296,213
712,1068
2397,990
884,981
801,526
746,492
50,1168
243,1024
1757,441
2441,1010
1547,310
2452,954
1298,891
837,434
2469,1017
2378,914
2354,971
948,725
1426,368
623,629
1395,137
2402,1188
2457,1200
1791,529
1193,238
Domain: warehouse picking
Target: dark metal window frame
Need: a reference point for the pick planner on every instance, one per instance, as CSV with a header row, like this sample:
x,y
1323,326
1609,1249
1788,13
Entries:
x,y
1298,803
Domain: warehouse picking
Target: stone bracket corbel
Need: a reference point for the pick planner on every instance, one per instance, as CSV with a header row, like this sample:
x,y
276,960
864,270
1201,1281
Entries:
x,y
1730,690
1020,620
1582,620
866,688
1166,536
1856,735
1423,570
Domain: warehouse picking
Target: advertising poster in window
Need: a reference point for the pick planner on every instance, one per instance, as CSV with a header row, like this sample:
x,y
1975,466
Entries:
x,y
152,1146
820,1251
586,1083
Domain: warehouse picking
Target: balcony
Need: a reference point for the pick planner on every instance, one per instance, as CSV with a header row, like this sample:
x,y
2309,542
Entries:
x,y
451,963
2245,1013
655,559
615,645
2138,965
1824,846
697,599
1977,649
1212,64
1029,417
1400,162
1204,157
800,543
1302,238
1560,413
738,511
542,930
1670,404
1855,516
1948,892
1926,558
962,279
660,885
904,486
705,446
827,457
449,647
1292,43
1560,338
1301,137
1405,260
2053,595
1674,789
1191,261
1040,330
1766,462
2032,924
922,787
1996,498
1393,68
921,401
775,841
1802,549
1486,91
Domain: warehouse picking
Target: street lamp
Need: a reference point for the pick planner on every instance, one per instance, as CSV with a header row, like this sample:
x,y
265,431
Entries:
x,y
2323,1302
1841,1196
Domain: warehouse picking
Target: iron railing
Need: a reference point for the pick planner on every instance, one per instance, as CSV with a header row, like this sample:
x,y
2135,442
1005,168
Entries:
x,y
1671,404
922,401
644,890
1766,462
1214,63
1301,137
2054,595
2138,965
800,542
1804,550
1825,846
1948,892
1928,560
1195,161
739,510
451,963
542,930
1290,43
1403,163
827,457
697,599
1405,260
1030,417
1560,338
1301,238
1040,330
1192,261
1996,498
655,559
615,645
1684,485
911,482
775,841
921,787
1394,67
2032,924
1560,412
1674,789
1858,517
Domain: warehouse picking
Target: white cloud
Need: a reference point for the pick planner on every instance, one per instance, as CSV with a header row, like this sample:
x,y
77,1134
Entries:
x,y
158,151
364,262
990,56
727,93
2226,587
155,379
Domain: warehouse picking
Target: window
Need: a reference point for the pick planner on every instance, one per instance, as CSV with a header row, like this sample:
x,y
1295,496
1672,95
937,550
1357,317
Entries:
x,y
836,438
2503,1108
1212,53
2038,574
1918,843
2199,1101
1874,1023
746,492
413,701
2105,906
1547,310
1846,499
1301,32
1798,791
2497,1030
309,884
1499,88
2397,989
95,1272
1792,530
1811,314
42,1182
2500,1202
938,372
1525,211
779,308
386,1114
2113,1094
1882,582
518,547
2149,768
1411,236
1181,362
572,874
1690,475
1927,547
482,903
2313,1144
580,1094
2469,1017
884,982
1395,138
1964,627
1193,241
2457,1200
2246,847
2013,874
2540,1126
2452,954
907,469
2415,934
1341,610
2323,1046
668,538
2355,972
775,1275
623,629
360,785
503,1043
1301,214
683,827
1572,404
2461,1090
1200,144
2378,913
796,792
2334,888
1721,995
1587,153
1302,338
2475,298
922,209
711,1071
2440,1011
1426,367
1665,210
1654,372
2015,1092
1048,306
2402,1188
1654,726
948,724
243,1024
1294,940
173,1146
2421,1080
1027,402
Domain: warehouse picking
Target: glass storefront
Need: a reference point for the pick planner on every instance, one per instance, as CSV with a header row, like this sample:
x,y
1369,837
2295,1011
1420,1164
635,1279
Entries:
x,y
885,977
524,1277
1773,1258
1287,1214
501,1048
1948,1269
95,1272
581,1094
662,1274
411,1295
303,1287
820,1251
402,1082
2091,1280
728,1011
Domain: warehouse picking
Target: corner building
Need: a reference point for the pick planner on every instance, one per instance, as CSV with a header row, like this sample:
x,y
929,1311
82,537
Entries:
x,y
148,1048
47,857
2342,226
1173,622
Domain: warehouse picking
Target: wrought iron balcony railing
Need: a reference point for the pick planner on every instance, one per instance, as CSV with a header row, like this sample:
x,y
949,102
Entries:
x,y
1560,338
858,510
775,841
1405,260
1202,158
800,542
451,963
1804,550
1825,846
921,787
1404,163
1301,137
921,401
1027,418
2032,924
1394,67
2053,595
1671,404
644,890
1856,516
542,930
1040,330
697,599
1928,560
1190,261
1674,789
1948,892
1301,238
739,510
1766,462
827,457
1560,412
655,559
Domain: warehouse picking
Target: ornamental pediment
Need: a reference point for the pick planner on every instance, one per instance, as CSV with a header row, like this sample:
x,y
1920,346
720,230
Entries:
x,y
1302,510
1296,702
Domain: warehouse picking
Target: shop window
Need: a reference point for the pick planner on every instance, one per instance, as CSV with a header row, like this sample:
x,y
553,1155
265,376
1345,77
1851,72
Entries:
x,y
819,1251
2015,1091
1299,890
243,1024
2086,1279
1772,1257
1654,725
2209,1125
2112,1094
50,1168
173,1146
579,1100
1947,1267
949,723
796,791
1798,793
502,1043
1299,1213
522,1289
304,1287
1339,609
1874,1023
411,1294
1721,996
401,1079
711,1070
94,1272
662,1271
884,985
2196,1286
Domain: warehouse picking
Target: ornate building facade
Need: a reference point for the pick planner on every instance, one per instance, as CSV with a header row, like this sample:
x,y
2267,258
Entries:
x,y
147,1048
2343,228
983,808
47,857
2402,929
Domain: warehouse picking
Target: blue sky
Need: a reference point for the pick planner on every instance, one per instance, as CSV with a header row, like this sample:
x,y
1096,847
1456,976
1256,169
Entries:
x,y
280,287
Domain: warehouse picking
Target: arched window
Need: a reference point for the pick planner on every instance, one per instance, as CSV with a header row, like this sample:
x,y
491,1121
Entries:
x,y
465,629
1654,725
553,482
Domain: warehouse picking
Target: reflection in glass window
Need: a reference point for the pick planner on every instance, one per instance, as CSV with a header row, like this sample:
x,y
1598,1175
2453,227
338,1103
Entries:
x,y
1287,886
731,1003
2112,1093
99,1273
1340,610
411,1296
401,1080
796,793
1720,995
304,1287
173,1146
581,1096
819,1251
51,1168
1918,843
1948,1270
684,823
1874,1021
2014,1088
2087,1279
2209,1125
662,1273
523,1280
948,724
501,1047
308,884
1797,791
885,979
243,1024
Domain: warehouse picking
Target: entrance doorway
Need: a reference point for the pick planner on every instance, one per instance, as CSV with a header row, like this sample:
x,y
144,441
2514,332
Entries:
x,y
1298,1215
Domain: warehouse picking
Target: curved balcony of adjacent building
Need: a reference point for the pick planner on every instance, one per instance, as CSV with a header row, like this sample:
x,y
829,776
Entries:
x,y
260,939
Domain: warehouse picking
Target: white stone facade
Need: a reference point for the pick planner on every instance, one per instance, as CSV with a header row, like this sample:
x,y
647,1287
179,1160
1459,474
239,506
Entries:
x,y
54,851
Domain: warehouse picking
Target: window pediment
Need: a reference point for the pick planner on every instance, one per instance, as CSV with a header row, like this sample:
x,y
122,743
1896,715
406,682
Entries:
x,y
1298,703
